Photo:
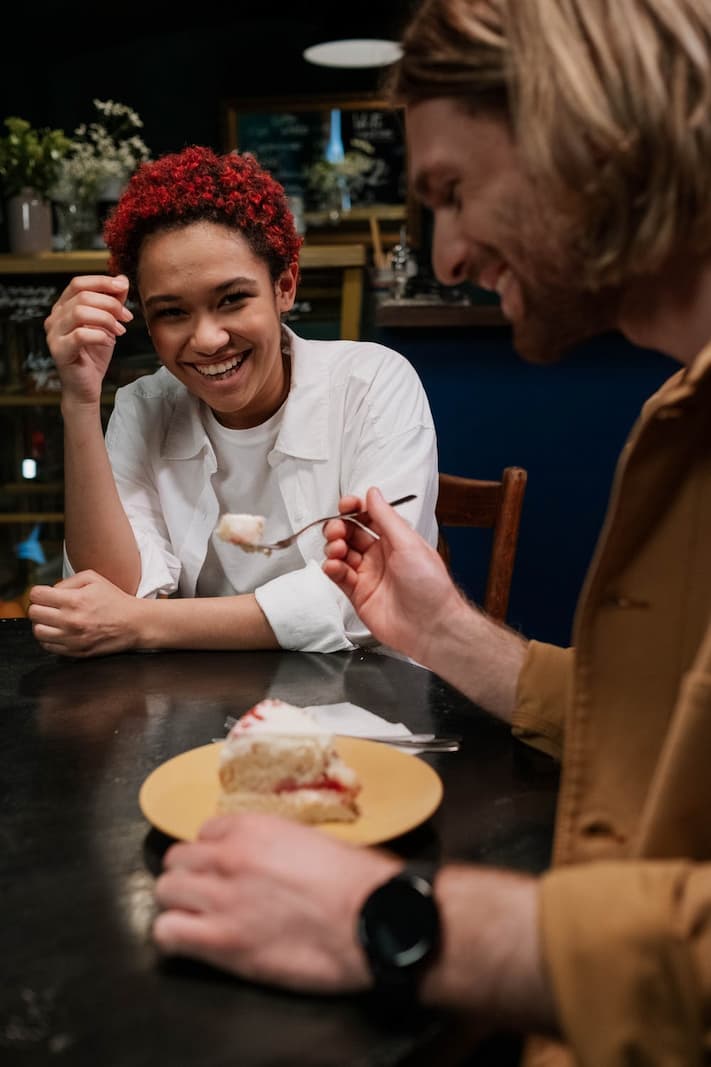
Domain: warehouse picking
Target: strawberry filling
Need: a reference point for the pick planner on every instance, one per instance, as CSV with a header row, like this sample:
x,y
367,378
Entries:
x,y
290,786
253,713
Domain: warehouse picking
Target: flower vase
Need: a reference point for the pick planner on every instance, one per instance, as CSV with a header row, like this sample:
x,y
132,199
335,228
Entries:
x,y
77,224
29,223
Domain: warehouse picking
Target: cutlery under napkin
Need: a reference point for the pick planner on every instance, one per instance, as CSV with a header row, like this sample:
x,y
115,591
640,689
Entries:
x,y
354,721
350,720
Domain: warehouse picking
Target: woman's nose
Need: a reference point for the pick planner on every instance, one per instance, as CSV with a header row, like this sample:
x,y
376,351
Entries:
x,y
449,253
208,335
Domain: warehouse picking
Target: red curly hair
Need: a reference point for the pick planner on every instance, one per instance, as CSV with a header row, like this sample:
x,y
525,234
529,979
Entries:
x,y
197,185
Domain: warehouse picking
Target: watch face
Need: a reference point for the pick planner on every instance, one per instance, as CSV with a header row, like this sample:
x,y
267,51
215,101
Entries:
x,y
399,923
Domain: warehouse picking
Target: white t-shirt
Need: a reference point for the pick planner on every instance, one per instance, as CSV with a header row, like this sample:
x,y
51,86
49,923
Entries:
x,y
244,483
356,416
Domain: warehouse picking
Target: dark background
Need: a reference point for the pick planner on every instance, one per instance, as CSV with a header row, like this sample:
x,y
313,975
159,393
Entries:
x,y
565,424
174,67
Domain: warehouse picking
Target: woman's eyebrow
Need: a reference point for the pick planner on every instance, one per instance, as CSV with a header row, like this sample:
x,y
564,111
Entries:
x,y
167,298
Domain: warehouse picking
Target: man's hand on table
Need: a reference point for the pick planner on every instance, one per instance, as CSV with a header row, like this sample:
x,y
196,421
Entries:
x,y
276,902
270,900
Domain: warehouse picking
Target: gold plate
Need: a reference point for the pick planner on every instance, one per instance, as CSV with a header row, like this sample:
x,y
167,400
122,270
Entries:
x,y
399,791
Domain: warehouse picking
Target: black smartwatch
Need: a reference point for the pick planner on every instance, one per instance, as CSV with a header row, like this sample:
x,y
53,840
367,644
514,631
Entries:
x,y
399,930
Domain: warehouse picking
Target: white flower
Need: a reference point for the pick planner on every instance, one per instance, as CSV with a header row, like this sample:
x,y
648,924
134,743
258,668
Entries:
x,y
101,152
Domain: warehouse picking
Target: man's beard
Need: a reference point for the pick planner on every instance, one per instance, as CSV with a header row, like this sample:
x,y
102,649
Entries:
x,y
557,319
559,311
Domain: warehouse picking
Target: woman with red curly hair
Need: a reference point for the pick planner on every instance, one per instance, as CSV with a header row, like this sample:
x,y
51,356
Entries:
x,y
243,416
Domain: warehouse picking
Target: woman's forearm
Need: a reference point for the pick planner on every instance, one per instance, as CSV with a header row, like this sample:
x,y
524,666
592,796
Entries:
x,y
98,536
230,622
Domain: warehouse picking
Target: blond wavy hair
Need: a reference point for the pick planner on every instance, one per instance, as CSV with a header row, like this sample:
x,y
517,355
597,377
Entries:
x,y
608,101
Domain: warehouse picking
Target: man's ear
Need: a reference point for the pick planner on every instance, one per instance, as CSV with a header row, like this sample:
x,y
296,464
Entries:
x,y
285,288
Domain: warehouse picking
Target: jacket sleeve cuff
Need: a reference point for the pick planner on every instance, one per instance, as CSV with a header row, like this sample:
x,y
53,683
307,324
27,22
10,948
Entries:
x,y
304,612
542,697
616,946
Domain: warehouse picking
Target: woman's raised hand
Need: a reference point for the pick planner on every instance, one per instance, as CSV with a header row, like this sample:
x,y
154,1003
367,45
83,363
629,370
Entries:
x,y
81,330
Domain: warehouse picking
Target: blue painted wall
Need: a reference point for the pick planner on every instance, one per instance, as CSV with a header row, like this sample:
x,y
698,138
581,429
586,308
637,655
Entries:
x,y
565,424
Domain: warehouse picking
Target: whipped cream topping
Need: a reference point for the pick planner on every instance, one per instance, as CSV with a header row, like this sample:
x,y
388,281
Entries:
x,y
286,726
240,529
273,716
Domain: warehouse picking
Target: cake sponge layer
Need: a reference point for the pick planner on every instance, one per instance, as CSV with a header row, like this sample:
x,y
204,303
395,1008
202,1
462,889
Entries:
x,y
304,805
277,758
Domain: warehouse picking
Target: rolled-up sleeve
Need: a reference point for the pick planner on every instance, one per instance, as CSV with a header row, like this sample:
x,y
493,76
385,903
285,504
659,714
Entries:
x,y
160,568
543,696
129,445
627,946
305,611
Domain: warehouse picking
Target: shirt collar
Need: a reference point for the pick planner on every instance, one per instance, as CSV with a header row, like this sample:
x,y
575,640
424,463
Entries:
x,y
684,385
304,429
185,434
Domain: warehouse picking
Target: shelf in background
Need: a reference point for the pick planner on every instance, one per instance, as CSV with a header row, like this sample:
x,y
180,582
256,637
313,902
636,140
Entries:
x,y
312,257
17,518
348,259
425,314
32,487
30,400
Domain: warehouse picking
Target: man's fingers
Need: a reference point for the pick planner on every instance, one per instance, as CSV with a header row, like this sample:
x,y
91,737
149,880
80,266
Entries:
x,y
385,520
341,575
218,828
189,890
187,933
190,856
350,503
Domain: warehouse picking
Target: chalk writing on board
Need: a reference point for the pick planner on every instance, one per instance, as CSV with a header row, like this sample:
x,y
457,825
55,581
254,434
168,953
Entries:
x,y
287,143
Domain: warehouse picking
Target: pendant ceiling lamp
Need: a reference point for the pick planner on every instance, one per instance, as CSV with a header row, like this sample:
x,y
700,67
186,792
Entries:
x,y
354,52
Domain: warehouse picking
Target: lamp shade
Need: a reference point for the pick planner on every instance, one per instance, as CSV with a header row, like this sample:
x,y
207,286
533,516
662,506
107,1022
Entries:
x,y
354,52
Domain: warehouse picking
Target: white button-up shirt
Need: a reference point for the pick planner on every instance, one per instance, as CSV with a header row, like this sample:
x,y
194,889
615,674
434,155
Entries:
x,y
356,416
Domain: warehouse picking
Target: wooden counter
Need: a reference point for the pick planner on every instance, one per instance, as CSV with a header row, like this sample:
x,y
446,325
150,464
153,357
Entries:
x,y
426,315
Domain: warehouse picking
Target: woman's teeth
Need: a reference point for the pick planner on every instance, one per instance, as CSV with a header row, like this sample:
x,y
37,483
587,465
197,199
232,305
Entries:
x,y
211,370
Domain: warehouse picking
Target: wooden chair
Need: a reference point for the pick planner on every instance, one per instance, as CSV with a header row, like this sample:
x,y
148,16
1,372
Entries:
x,y
496,505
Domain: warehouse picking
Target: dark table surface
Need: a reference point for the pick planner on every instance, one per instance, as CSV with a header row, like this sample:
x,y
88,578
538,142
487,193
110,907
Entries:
x,y
81,982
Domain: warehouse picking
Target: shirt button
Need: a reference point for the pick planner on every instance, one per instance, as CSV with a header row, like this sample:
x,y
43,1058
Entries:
x,y
625,602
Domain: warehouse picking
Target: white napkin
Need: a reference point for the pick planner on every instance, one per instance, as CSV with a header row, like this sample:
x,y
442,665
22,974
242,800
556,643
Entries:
x,y
347,718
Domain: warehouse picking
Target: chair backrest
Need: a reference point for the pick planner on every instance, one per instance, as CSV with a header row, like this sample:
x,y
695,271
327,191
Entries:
x,y
497,505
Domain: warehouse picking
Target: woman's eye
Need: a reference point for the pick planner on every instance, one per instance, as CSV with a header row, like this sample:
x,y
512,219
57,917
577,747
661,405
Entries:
x,y
234,298
167,313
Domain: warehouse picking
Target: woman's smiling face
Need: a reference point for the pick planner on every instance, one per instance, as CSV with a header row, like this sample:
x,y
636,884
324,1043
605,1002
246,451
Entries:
x,y
214,316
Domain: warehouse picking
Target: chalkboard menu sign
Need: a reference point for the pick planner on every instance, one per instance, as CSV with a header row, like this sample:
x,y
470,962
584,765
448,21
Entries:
x,y
289,136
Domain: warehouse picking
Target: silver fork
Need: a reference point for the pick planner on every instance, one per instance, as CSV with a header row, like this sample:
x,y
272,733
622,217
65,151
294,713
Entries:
x,y
356,517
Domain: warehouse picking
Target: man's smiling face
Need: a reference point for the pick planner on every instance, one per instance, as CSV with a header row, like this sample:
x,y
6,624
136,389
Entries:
x,y
492,228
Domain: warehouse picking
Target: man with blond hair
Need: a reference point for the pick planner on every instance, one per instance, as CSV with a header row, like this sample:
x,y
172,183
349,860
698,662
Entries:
x,y
564,147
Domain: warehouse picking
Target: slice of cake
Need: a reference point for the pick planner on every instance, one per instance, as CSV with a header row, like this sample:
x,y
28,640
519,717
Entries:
x,y
277,758
243,530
